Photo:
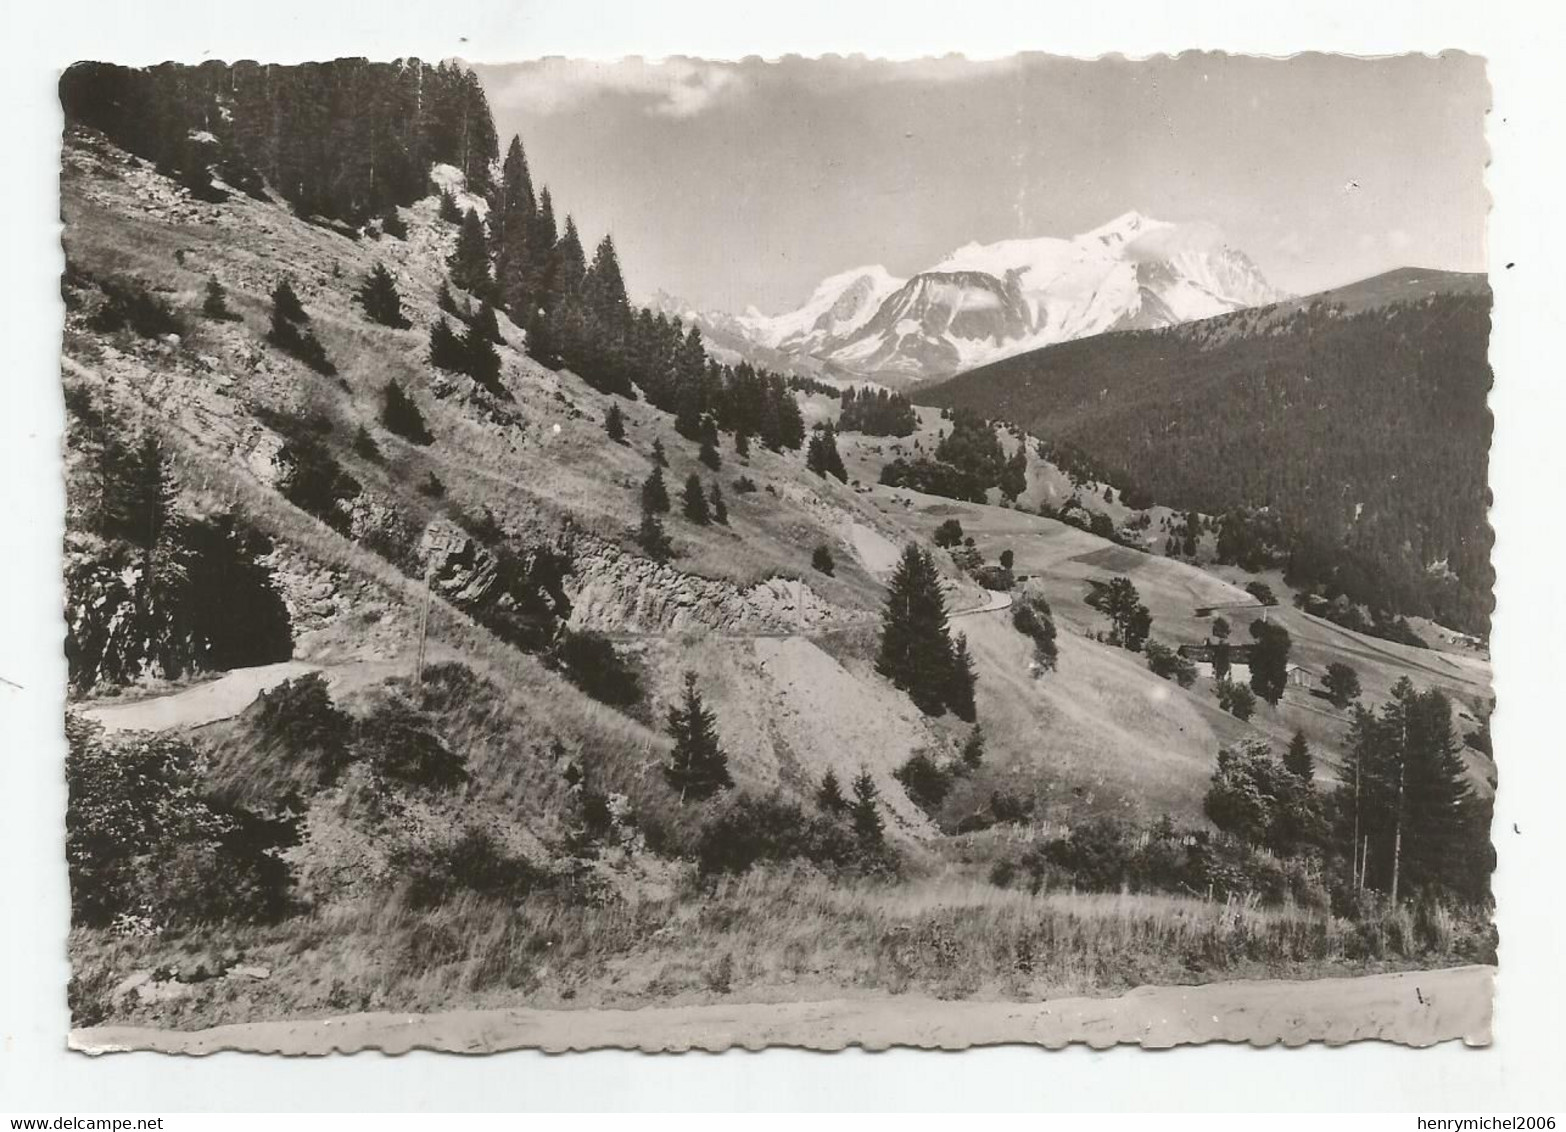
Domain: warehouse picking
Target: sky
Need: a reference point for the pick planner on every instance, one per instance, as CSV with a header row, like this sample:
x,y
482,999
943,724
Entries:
x,y
744,183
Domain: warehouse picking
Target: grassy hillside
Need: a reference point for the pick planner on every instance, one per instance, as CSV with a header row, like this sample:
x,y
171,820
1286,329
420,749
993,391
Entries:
x,y
1359,416
505,830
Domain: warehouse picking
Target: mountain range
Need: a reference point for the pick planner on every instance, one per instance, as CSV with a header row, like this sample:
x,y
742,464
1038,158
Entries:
x,y
985,302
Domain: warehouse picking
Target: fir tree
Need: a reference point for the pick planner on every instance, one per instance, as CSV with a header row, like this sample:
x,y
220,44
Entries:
x,y
1342,684
655,495
720,509
378,296
469,263
696,501
447,302
1298,760
449,209
821,560
487,324
697,767
364,444
652,539
401,416
432,486
1014,475
973,748
614,423
709,455
822,456
446,349
829,795
916,653
866,812
742,444
481,362
392,223
286,304
215,305
659,457
959,693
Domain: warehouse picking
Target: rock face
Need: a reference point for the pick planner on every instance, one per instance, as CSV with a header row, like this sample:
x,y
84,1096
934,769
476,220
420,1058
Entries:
x,y
617,592
459,567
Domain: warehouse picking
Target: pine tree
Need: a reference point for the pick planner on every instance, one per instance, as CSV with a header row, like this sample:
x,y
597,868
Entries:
x,y
486,324
822,456
959,694
378,296
659,457
742,444
446,349
215,305
614,423
449,210
447,302
286,304
866,813
696,501
697,767
652,539
481,362
916,652
1298,759
973,748
709,455
829,795
1014,475
720,509
401,416
392,223
469,263
364,444
655,495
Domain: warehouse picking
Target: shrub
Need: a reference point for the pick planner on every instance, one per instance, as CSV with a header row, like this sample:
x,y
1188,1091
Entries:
x,y
591,662
472,861
1236,699
127,304
431,486
744,485
822,561
748,831
924,781
1031,616
401,743
1165,662
215,305
297,724
142,838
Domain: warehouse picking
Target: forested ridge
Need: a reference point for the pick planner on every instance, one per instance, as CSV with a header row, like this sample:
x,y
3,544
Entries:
x,y
1366,432
342,140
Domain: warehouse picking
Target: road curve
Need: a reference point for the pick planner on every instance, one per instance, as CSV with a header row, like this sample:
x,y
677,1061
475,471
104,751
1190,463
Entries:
x,y
1417,1008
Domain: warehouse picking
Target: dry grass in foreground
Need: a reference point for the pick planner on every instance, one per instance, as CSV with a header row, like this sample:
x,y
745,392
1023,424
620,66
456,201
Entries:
x,y
764,936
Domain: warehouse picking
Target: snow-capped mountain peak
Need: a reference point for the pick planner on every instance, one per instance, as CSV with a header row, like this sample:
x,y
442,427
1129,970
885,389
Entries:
x,y
987,301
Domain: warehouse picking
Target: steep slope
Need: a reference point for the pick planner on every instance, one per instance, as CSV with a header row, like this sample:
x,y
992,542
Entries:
x,y
990,301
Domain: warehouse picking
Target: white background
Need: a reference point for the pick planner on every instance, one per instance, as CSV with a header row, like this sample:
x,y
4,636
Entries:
x,y
1523,1070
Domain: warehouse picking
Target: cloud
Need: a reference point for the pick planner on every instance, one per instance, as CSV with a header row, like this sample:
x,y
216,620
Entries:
x,y
1398,239
1291,244
671,88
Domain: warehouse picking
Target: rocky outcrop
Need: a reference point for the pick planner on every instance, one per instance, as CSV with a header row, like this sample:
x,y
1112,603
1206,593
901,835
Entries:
x,y
612,591
458,566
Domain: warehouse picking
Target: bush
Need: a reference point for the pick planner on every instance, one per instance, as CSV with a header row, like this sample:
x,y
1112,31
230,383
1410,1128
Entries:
x,y
472,861
127,304
1031,616
143,838
1165,662
748,831
744,485
364,444
401,743
821,560
296,724
1236,699
431,486
925,782
591,662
